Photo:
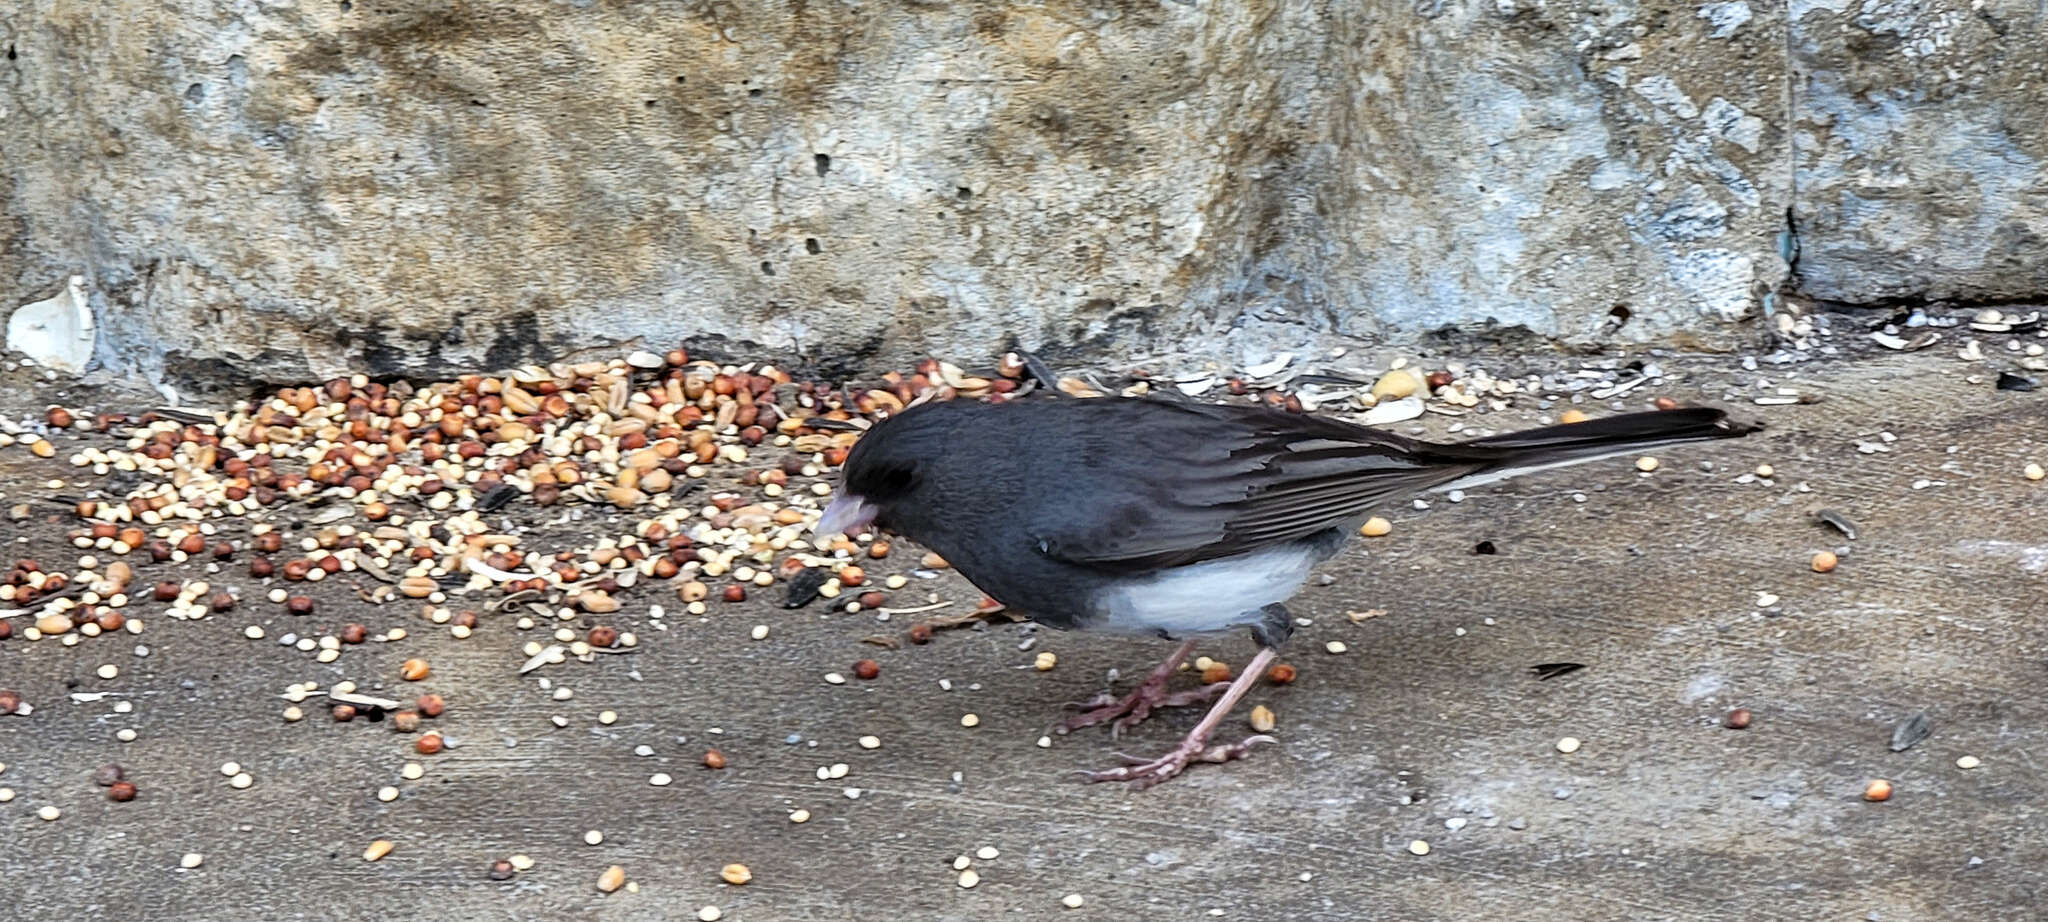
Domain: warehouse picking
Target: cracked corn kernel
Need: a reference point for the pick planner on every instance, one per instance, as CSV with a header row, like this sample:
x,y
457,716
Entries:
x,y
1262,719
1375,527
735,874
1573,416
2035,472
1045,661
613,878
377,850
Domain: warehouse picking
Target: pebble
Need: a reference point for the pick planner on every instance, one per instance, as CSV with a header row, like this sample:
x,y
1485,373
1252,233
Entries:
x,y
1418,847
612,879
191,860
1568,745
1073,901
1968,762
1335,646
970,720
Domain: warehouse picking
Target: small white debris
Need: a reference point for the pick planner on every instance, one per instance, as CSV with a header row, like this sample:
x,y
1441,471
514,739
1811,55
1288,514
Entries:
x,y
799,815
191,860
1568,745
968,879
1968,762
241,781
659,779
1418,847
870,742
760,632
710,914
49,814
970,720
1073,901
1335,646
387,793
833,678
987,853
1646,464
593,837
230,769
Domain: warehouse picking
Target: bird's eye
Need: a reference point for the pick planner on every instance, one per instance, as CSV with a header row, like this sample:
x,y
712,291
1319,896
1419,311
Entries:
x,y
892,481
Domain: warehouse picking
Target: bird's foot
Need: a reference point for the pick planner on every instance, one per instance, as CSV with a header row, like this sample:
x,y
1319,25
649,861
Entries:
x,y
1132,709
1145,773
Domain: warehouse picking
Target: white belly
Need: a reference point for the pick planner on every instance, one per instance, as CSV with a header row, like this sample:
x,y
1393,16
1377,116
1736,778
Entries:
x,y
1210,596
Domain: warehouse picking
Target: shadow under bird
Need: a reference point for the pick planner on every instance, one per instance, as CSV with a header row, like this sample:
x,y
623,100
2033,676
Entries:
x,y
1171,519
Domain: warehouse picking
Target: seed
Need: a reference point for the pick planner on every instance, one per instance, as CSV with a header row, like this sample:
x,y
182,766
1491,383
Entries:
x,y
520,862
387,793
593,837
969,878
166,591
1418,847
344,713
799,815
292,714
1573,416
1045,661
870,742
1375,527
242,781
1335,646
405,721
1824,561
1646,464
710,914
230,769
612,879
735,874
1968,762
1262,719
1073,901
920,633
191,860
1766,471
735,593
53,624
608,717
1737,719
760,632
121,792
353,633
660,779
833,678
871,599
603,637
413,670
1568,745
428,745
500,870
867,669
299,605
49,814
108,671
412,771
1214,673
713,759
1877,791
253,632
107,774
430,705
1280,674
970,720
2034,471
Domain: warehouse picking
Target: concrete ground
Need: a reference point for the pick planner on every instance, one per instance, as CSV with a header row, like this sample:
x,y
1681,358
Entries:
x,y
1432,720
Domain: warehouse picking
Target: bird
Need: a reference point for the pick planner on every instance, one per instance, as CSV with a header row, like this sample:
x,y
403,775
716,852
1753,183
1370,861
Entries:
x,y
1174,519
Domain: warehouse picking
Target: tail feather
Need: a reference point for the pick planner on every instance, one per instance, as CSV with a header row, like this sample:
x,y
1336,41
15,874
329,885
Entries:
x,y
1548,447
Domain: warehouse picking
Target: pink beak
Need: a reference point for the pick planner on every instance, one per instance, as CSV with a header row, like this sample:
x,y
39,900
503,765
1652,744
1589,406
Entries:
x,y
846,515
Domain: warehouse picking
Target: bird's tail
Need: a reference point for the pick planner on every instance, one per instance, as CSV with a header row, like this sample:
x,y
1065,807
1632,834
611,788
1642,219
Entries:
x,y
1517,453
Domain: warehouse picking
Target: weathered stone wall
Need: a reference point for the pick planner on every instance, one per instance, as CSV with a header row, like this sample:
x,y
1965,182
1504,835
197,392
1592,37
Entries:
x,y
279,189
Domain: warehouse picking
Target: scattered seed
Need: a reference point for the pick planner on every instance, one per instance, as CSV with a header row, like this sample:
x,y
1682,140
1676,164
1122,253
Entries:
x,y
1968,762
1418,847
1568,745
799,815
713,759
1335,646
870,742
968,879
2034,471
1280,674
1877,791
520,862
1073,901
710,914
987,853
1262,719
593,837
1646,464
241,781
760,632
413,670
735,874
833,678
659,779
1824,561
412,771
970,720
1045,661
1375,527
191,860
429,744
1737,719
387,793
867,669
121,792
612,879
608,717
109,671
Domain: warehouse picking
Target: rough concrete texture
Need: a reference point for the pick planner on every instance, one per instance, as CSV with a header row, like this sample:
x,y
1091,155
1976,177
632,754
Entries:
x,y
1433,720
286,190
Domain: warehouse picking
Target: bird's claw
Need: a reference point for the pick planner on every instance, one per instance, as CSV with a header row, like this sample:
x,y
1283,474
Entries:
x,y
1147,772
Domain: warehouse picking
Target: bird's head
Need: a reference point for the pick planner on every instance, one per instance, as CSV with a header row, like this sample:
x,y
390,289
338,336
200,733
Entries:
x,y
885,468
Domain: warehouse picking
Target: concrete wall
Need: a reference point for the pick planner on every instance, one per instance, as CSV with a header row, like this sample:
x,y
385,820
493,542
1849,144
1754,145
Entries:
x,y
280,189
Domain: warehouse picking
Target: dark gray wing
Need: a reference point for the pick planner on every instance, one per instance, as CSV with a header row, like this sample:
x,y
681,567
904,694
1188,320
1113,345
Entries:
x,y
1216,481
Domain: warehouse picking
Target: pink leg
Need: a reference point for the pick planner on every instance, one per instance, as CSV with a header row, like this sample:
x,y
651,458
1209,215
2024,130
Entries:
x,y
1195,748
1133,708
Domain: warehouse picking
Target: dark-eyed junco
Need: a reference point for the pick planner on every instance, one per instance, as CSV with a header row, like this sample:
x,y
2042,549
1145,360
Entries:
x,y
1173,519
